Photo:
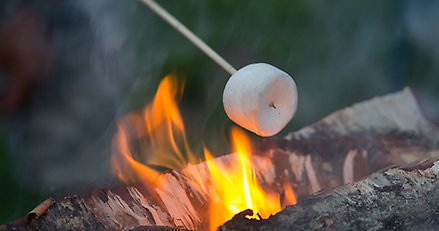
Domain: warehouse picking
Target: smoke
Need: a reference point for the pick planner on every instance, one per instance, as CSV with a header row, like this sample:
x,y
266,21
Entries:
x,y
62,139
422,30
110,55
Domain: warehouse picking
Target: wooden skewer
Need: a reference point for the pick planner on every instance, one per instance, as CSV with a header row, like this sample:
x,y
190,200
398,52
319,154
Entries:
x,y
165,15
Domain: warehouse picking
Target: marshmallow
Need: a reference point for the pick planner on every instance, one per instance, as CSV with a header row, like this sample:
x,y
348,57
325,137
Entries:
x,y
260,98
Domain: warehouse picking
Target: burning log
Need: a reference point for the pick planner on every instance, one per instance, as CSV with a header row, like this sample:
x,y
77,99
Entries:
x,y
344,147
405,198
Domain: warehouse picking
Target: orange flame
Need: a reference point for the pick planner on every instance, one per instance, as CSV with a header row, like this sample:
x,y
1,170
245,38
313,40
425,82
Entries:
x,y
160,135
236,187
156,137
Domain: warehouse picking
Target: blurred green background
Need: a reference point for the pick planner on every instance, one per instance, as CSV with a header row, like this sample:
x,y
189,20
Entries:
x,y
107,56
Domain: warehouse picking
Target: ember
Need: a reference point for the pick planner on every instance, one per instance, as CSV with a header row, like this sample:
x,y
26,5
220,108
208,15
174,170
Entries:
x,y
158,134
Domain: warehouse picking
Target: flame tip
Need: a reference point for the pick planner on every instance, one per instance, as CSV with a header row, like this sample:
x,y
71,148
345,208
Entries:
x,y
159,131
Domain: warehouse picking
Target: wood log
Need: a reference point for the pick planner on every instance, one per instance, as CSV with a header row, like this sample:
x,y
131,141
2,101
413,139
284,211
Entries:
x,y
404,198
346,146
352,143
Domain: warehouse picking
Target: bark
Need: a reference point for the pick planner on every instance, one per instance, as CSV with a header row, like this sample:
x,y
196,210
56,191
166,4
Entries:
x,y
346,146
395,199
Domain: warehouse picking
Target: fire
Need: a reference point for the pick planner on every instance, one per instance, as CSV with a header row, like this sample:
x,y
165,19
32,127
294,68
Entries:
x,y
156,137
160,135
236,188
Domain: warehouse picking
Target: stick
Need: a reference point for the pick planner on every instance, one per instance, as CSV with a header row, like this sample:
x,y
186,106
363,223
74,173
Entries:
x,y
189,35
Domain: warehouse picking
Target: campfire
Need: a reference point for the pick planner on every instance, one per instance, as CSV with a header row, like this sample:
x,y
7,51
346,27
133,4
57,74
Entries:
x,y
226,187
373,166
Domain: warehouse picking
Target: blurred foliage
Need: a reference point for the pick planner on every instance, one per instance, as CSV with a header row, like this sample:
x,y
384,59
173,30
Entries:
x,y
15,199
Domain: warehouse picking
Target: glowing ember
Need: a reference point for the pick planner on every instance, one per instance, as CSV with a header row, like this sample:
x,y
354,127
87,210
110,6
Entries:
x,y
156,137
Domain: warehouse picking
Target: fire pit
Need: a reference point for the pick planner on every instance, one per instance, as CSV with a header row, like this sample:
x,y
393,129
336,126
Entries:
x,y
371,166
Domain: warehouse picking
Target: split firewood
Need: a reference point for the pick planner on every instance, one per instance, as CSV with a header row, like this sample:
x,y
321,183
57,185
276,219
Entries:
x,y
40,209
344,147
404,198
352,143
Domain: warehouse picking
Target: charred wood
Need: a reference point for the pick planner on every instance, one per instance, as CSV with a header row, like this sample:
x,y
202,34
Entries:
x,y
345,147
405,198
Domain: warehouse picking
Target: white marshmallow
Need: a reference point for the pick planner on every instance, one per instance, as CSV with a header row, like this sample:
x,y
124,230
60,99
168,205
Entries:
x,y
260,98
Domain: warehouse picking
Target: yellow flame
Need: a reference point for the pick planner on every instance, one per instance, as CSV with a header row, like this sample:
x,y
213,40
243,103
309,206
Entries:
x,y
235,187
156,137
